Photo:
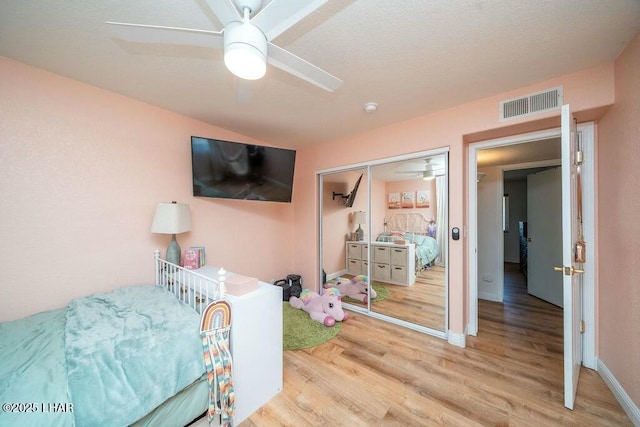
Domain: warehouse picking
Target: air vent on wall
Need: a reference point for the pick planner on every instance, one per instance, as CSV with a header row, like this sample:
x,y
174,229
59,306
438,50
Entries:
x,y
538,102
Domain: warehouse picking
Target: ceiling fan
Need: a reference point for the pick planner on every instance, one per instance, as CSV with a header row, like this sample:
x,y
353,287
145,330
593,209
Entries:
x,y
428,171
245,38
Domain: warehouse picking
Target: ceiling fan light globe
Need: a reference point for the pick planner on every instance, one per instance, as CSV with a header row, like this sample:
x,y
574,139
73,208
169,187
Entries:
x,y
245,62
245,50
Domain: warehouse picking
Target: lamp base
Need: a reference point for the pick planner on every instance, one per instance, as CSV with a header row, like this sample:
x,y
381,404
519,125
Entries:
x,y
174,253
359,233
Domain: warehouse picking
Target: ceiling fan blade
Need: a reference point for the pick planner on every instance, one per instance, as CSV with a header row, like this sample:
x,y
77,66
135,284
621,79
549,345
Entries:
x,y
166,35
290,63
225,11
280,15
434,170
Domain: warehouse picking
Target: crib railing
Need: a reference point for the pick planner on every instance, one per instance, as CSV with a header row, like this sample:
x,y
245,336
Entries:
x,y
192,288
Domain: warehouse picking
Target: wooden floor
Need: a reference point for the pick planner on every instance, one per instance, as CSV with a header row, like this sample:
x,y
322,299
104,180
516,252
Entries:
x,y
422,303
374,373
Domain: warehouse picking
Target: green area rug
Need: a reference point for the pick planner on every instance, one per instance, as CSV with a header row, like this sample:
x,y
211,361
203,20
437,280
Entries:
x,y
381,293
300,331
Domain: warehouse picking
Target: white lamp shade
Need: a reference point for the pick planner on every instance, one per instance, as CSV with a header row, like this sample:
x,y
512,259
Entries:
x,y
360,217
245,50
171,218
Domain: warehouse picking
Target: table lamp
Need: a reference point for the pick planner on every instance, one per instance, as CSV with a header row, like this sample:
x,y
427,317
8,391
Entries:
x,y
172,218
360,217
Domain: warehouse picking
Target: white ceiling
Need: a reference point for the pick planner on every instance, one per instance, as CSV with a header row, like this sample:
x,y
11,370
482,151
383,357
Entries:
x,y
410,169
411,57
537,151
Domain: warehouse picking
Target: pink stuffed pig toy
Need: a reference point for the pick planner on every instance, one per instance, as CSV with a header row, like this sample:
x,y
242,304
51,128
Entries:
x,y
325,308
356,288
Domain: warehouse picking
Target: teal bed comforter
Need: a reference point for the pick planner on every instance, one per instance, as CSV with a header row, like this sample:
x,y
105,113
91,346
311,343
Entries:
x,y
108,358
426,248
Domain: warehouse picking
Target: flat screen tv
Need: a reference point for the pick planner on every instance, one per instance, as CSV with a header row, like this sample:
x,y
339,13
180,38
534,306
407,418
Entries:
x,y
352,196
235,170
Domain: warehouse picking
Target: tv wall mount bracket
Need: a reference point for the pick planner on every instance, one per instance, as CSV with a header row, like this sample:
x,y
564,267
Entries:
x,y
347,199
342,196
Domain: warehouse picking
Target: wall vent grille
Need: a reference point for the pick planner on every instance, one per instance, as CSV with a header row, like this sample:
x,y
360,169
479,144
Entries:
x,y
534,103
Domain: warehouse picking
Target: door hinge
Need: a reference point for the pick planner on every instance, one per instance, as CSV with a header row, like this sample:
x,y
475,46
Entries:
x,y
582,326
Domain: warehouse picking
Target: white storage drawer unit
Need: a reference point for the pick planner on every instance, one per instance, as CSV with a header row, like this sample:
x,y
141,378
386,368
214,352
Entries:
x,y
391,263
399,256
381,272
357,250
357,258
381,254
354,266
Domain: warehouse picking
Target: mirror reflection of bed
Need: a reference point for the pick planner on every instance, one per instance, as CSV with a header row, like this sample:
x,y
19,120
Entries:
x,y
406,203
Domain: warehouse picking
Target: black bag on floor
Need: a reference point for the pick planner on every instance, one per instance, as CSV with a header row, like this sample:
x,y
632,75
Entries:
x,y
291,286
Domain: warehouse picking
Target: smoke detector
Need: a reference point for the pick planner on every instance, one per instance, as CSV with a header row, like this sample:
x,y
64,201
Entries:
x,y
370,107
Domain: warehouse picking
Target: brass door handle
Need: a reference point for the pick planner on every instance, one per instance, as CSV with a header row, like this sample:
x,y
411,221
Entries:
x,y
569,271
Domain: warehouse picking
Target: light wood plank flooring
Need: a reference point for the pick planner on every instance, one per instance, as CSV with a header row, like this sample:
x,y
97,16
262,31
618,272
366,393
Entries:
x,y
374,373
422,303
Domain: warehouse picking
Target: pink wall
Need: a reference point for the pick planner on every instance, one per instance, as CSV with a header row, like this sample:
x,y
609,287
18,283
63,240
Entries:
x,y
619,227
82,170
337,218
378,207
587,90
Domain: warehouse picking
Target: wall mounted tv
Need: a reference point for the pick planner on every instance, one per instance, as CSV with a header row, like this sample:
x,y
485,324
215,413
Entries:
x,y
235,170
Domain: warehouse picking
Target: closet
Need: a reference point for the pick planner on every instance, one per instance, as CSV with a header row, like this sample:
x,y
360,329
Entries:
x,y
394,231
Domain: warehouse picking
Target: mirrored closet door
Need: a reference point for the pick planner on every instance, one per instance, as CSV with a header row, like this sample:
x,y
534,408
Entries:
x,y
344,202
402,249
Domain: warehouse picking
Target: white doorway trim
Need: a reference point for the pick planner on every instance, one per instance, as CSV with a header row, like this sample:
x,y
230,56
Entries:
x,y
588,180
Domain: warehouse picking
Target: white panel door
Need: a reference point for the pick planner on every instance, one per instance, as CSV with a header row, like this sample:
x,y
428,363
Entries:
x,y
571,271
544,232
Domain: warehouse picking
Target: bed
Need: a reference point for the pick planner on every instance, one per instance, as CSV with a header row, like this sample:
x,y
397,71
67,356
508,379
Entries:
x,y
132,356
413,227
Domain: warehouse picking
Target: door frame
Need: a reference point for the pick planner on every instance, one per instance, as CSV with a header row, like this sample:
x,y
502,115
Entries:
x,y
587,131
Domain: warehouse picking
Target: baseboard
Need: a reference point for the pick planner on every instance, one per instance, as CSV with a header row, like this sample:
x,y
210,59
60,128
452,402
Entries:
x,y
489,296
621,395
456,339
333,275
